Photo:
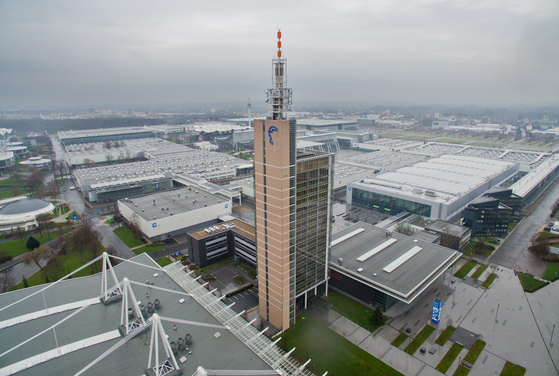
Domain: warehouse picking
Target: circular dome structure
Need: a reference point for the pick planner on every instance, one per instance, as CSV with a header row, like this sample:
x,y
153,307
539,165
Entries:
x,y
23,214
26,206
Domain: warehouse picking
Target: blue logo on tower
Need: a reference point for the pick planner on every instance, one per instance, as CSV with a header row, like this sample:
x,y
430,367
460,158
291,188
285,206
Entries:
x,y
154,225
270,131
226,206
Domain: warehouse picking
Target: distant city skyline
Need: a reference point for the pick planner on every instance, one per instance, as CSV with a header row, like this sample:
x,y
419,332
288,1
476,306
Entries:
x,y
65,54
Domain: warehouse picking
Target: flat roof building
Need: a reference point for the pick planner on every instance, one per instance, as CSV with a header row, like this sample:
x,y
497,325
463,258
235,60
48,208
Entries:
x,y
104,134
438,188
381,268
170,213
63,328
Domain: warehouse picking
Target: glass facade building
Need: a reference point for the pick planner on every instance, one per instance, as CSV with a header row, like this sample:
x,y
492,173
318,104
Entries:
x,y
393,205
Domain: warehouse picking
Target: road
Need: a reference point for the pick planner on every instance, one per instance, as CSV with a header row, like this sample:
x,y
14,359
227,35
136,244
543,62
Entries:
x,y
75,199
513,253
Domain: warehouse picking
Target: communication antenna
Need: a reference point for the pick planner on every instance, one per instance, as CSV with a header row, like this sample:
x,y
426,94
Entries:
x,y
279,97
249,106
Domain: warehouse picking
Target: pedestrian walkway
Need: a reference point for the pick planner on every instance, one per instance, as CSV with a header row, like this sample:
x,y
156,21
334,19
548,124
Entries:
x,y
377,344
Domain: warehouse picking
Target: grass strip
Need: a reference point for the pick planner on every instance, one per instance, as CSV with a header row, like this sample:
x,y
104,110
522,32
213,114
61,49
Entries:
x,y
465,269
452,354
474,352
461,371
128,237
150,248
445,335
419,339
329,351
530,284
352,310
163,261
489,280
552,271
511,369
479,271
400,339
17,247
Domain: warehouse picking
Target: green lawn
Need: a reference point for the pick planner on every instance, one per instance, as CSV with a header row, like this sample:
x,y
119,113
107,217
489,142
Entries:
x,y
11,182
419,339
489,239
329,351
452,354
552,271
212,266
465,269
445,335
350,309
150,248
511,226
511,369
547,235
128,237
489,280
474,351
479,271
163,261
400,339
461,371
59,211
70,262
470,250
531,284
69,217
16,247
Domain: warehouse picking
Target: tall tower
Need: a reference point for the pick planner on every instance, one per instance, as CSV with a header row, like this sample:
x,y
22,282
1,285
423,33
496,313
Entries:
x,y
292,221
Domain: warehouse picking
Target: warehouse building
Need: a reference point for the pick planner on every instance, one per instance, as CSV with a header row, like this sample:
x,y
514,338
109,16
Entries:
x,y
438,188
377,267
170,213
104,134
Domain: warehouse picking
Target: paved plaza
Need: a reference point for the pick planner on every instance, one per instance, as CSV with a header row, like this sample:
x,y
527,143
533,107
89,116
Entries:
x,y
515,325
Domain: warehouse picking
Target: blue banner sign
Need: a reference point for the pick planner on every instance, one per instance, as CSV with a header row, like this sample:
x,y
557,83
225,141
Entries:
x,y
436,313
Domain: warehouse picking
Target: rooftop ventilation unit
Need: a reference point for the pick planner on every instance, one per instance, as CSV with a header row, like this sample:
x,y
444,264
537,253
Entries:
x,y
340,261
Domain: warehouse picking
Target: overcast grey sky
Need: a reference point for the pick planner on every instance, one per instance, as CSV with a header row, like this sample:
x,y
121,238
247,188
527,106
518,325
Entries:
x,y
62,53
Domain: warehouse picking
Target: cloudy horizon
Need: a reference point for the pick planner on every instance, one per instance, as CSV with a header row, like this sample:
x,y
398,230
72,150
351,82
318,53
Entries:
x,y
62,53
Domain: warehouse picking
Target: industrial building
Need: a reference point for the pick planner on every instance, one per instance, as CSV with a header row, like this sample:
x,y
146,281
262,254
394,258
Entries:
x,y
104,134
168,165
170,213
293,195
327,124
438,188
132,319
377,267
230,239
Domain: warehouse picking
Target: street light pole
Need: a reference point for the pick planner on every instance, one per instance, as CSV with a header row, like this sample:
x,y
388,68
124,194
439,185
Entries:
x,y
551,339
496,313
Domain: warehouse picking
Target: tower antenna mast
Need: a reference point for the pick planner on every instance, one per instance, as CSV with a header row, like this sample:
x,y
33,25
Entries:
x,y
279,97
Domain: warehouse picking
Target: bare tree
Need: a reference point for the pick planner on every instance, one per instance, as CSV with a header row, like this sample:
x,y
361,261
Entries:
x,y
135,225
6,280
37,255
109,157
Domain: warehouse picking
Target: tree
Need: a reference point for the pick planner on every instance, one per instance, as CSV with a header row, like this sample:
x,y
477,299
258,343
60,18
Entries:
x,y
6,280
20,231
135,225
34,181
44,223
24,280
14,190
377,319
89,162
32,243
37,255
109,157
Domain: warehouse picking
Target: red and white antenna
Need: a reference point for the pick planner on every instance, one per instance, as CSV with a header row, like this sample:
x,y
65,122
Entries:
x,y
280,96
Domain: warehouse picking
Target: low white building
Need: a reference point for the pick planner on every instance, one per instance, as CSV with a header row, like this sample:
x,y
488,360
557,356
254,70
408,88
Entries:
x,y
36,162
170,213
22,214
